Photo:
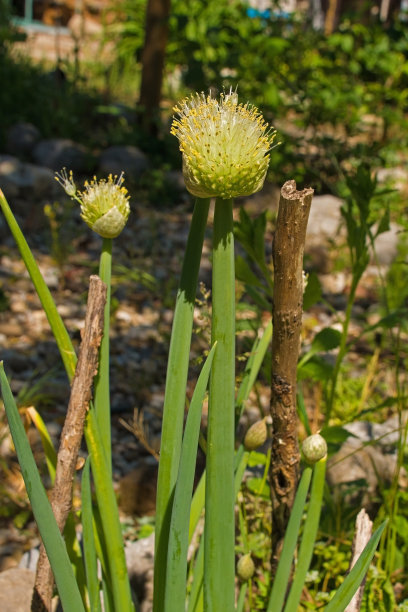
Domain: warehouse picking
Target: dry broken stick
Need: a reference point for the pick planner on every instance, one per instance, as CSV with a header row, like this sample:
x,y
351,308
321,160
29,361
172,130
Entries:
x,y
362,535
288,249
81,393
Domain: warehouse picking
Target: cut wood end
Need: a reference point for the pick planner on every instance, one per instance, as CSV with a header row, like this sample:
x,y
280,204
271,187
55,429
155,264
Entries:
x,y
289,191
95,280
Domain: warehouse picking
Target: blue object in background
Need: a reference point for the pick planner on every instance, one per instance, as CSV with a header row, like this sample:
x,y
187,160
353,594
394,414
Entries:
x,y
253,12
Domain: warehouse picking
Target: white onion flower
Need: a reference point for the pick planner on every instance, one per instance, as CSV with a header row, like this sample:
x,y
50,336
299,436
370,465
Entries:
x,y
225,145
104,203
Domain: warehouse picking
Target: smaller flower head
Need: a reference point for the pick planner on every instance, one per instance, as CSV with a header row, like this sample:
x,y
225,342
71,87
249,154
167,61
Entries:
x,y
225,146
104,203
105,206
256,435
66,182
314,448
245,567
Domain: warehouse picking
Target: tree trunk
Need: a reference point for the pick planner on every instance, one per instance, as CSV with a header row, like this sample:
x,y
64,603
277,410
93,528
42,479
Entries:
x,y
332,17
154,50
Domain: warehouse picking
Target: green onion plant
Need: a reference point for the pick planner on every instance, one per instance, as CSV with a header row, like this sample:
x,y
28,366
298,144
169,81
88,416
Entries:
x,y
225,149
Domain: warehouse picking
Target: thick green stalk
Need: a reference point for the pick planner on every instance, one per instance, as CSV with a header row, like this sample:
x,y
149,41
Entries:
x,y
102,391
195,602
110,520
241,597
219,536
175,394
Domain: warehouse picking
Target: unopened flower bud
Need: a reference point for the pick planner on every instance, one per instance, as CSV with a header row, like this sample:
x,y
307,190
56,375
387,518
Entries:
x,y
314,448
256,435
245,567
225,146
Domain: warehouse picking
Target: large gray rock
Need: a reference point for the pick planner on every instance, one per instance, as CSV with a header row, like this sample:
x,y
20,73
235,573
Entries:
x,y
397,175
326,223
57,153
18,179
369,456
324,219
386,245
21,138
128,159
16,589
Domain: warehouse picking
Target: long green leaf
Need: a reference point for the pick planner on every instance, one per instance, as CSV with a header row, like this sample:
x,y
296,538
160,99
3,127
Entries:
x,y
175,395
47,525
112,532
253,365
48,447
70,537
196,598
252,368
309,536
197,505
58,328
241,462
178,539
356,576
282,576
90,557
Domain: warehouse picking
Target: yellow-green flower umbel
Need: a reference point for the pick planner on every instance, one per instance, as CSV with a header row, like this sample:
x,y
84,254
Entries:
x,y
104,203
225,146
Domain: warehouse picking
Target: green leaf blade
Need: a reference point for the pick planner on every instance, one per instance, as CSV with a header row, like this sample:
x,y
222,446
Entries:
x,y
353,580
178,539
47,525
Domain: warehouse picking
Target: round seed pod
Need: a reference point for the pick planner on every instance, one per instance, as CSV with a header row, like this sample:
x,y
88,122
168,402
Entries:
x,y
245,567
256,435
314,448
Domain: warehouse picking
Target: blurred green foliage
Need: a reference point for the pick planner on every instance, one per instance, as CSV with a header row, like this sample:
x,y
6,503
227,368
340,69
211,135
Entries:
x,y
333,98
8,33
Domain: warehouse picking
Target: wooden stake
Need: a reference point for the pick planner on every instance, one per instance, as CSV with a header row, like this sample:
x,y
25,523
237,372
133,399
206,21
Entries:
x,y
288,248
81,393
